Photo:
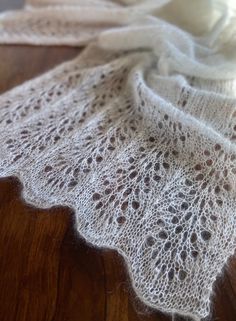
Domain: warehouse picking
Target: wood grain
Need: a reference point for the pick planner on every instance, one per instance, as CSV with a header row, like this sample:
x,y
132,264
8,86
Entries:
x,y
47,272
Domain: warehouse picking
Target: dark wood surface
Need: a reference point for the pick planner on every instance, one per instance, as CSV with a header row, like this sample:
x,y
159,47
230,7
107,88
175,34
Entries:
x,y
47,272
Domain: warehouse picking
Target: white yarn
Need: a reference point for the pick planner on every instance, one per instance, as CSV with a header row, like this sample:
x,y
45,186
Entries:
x,y
137,135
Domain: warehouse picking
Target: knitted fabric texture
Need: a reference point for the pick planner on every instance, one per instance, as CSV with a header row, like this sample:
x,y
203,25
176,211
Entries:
x,y
137,135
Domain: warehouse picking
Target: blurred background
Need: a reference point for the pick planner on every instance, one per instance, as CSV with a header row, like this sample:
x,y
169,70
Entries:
x,y
10,4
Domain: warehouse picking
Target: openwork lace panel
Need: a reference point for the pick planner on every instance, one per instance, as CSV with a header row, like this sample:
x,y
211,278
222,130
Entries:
x,y
137,135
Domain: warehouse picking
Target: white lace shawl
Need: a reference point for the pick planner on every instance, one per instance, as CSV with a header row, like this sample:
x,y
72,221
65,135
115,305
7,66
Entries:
x,y
137,135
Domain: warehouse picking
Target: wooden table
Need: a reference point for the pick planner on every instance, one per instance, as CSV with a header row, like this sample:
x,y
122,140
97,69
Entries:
x,y
47,272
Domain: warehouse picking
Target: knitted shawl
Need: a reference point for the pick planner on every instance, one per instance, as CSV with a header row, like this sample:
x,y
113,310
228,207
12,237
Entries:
x,y
137,135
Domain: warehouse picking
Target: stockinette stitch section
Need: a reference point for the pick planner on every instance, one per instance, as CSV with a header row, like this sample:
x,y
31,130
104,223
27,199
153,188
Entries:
x,y
137,135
